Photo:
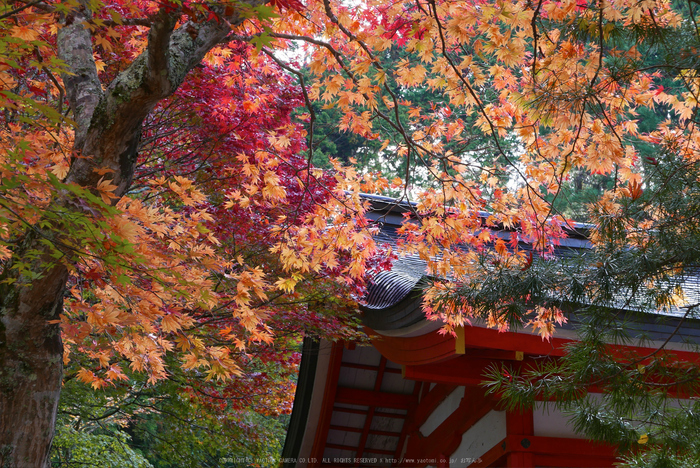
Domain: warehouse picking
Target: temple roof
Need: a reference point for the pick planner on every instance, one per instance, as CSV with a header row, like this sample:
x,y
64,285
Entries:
x,y
355,402
408,275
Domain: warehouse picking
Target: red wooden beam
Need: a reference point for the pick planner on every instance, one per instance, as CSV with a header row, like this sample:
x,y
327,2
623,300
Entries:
x,y
495,456
356,396
416,350
520,460
419,388
480,337
563,446
499,354
448,435
520,422
468,370
365,433
534,345
368,420
464,370
355,365
557,461
548,451
382,414
428,403
359,430
349,448
434,347
425,387
354,449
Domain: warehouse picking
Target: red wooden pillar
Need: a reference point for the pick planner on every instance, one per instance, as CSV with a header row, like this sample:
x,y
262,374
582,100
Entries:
x,y
521,425
370,413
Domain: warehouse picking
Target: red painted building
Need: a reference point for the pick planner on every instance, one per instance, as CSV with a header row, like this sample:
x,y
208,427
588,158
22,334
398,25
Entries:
x,y
413,398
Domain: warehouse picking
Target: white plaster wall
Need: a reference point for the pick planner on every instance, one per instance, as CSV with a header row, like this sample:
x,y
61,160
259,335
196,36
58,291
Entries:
x,y
551,422
480,438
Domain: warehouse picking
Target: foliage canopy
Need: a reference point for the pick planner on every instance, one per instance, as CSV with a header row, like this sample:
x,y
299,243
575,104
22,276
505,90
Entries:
x,y
160,212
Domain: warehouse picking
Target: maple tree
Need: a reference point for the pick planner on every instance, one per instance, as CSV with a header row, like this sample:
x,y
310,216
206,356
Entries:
x,y
526,93
205,123
181,264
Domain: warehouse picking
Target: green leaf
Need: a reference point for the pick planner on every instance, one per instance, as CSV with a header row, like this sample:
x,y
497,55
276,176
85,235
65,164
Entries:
x,y
265,12
262,40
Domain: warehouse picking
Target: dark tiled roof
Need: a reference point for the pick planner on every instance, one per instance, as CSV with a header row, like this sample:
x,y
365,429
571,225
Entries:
x,y
393,291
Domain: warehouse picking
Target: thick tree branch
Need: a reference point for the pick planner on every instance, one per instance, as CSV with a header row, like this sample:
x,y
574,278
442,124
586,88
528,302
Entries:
x,y
158,50
81,81
20,9
112,134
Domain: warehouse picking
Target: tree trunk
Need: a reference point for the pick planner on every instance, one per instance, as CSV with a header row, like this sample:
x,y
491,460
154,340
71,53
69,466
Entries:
x,y
31,360
107,133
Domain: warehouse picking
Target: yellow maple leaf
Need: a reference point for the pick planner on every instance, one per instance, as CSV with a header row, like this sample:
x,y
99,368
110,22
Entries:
x,y
170,323
60,169
86,376
25,33
106,189
286,284
102,41
7,81
115,373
